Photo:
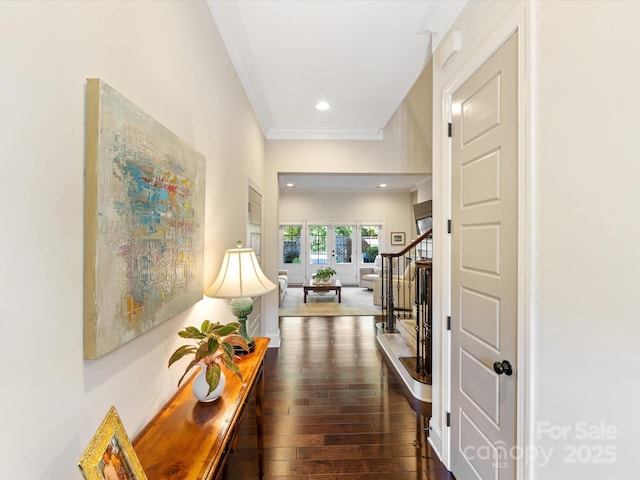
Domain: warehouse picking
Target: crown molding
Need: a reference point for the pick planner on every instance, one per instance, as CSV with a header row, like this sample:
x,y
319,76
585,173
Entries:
x,y
440,19
226,14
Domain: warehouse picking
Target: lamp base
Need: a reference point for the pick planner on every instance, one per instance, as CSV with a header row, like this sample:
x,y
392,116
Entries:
x,y
241,351
242,308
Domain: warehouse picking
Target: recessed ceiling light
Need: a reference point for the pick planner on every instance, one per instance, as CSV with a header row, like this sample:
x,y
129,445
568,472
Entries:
x,y
322,105
290,185
382,185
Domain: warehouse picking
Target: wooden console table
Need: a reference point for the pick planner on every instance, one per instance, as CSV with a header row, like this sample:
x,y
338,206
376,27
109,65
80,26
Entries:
x,y
191,440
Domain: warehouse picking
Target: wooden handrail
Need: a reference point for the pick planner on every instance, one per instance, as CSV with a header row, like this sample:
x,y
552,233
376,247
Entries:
x,y
413,244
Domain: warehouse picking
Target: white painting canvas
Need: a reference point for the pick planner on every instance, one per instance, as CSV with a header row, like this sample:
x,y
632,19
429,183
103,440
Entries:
x,y
144,217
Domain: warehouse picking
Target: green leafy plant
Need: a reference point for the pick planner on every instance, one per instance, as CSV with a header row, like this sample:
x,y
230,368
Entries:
x,y
213,347
325,272
370,254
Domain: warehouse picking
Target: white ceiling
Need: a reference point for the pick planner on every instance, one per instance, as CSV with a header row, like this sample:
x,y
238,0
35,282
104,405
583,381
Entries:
x,y
362,56
323,182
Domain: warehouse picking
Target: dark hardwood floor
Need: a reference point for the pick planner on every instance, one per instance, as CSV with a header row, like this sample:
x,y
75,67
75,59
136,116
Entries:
x,y
335,411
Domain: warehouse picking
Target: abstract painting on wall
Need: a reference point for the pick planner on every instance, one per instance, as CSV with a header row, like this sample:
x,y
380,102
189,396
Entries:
x,y
144,222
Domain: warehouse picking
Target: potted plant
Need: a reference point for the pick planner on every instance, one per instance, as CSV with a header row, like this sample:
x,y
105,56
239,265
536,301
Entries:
x,y
213,346
323,274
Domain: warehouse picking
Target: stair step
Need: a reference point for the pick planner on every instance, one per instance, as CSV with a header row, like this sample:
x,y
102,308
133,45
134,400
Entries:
x,y
406,326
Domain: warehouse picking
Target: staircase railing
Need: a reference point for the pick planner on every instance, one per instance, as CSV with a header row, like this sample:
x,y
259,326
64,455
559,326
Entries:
x,y
423,321
406,293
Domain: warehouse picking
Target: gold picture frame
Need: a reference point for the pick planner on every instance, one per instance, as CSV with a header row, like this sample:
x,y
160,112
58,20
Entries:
x,y
110,455
397,238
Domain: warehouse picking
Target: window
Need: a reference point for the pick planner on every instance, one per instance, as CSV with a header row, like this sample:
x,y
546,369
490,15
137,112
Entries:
x,y
344,242
369,235
318,244
291,244
424,223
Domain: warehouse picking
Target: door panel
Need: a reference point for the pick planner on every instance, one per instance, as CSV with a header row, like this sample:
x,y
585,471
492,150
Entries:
x,y
472,440
480,180
480,248
484,268
480,317
481,110
344,262
480,385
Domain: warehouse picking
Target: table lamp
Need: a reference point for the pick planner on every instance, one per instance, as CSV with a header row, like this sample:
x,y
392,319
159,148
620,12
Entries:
x,y
240,278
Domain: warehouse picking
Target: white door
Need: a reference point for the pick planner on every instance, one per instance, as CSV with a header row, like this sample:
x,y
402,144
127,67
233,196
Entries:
x,y
332,245
343,252
484,246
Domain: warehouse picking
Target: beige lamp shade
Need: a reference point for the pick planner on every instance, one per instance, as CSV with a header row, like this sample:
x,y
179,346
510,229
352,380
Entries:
x,y
240,276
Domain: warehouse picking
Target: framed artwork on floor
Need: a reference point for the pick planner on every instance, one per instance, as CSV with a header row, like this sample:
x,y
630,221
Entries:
x,y
109,455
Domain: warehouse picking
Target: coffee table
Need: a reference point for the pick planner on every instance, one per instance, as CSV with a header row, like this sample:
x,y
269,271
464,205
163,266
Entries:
x,y
333,285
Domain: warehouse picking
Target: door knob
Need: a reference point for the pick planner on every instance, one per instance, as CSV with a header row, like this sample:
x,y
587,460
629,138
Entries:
x,y
503,367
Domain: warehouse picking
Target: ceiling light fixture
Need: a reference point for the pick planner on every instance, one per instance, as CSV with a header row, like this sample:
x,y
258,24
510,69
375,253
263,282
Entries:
x,y
322,106
289,185
382,185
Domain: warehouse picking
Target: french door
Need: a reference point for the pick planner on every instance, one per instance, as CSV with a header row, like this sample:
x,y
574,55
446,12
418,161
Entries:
x,y
333,245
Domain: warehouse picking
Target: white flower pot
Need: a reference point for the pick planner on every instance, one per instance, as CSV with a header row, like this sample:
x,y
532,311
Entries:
x,y
200,386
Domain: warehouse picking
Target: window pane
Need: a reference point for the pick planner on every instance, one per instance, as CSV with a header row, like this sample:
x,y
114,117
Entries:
x,y
318,244
369,236
344,244
425,249
291,244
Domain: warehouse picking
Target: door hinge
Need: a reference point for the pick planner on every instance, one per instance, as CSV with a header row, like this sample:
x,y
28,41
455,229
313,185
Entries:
x,y
449,226
449,322
450,130
448,419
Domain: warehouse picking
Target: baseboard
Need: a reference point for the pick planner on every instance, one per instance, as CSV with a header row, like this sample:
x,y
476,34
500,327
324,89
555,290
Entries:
x,y
435,439
275,341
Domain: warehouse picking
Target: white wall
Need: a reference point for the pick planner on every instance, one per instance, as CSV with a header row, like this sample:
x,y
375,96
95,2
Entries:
x,y
168,59
579,283
393,209
587,263
424,191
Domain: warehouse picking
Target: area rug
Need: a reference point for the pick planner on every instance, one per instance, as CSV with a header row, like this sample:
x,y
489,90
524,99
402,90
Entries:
x,y
355,301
